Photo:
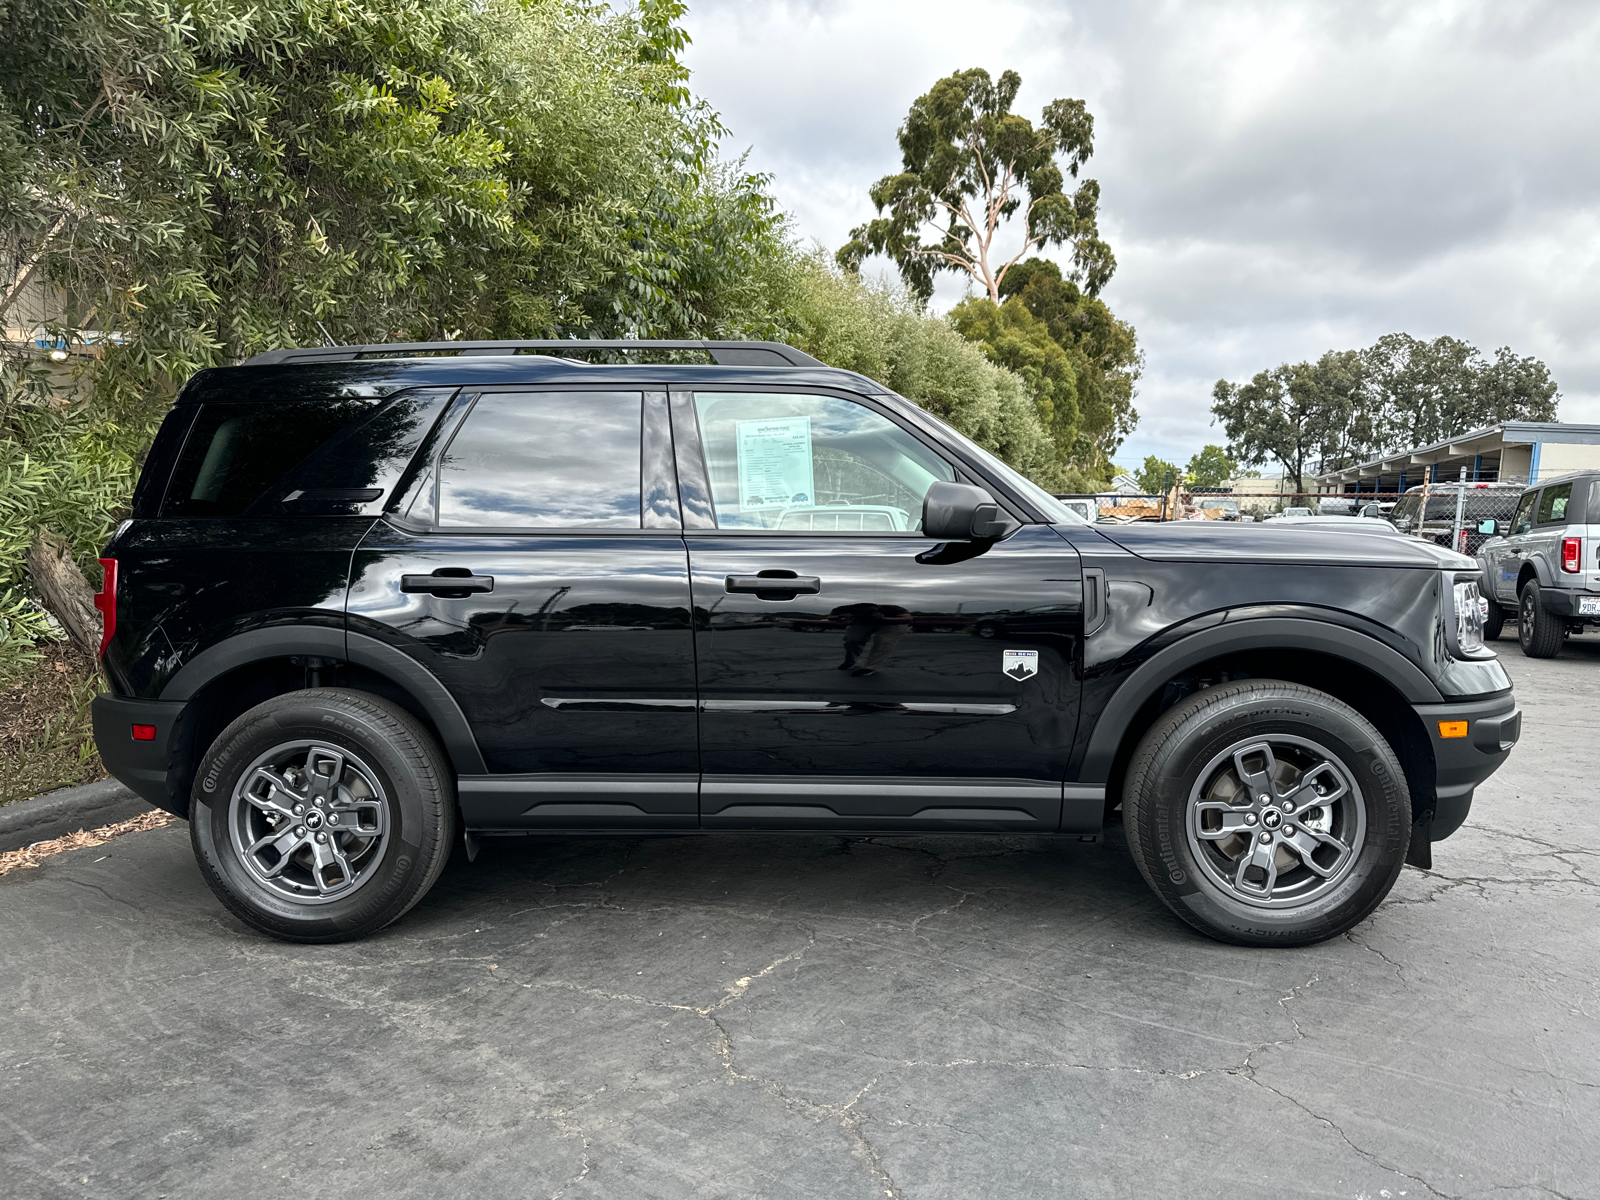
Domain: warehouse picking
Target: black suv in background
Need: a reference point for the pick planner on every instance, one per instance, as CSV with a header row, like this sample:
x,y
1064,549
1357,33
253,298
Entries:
x,y
374,599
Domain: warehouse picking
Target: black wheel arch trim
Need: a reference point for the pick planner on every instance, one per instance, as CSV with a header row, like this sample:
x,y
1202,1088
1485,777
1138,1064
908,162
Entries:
x,y
281,641
1256,633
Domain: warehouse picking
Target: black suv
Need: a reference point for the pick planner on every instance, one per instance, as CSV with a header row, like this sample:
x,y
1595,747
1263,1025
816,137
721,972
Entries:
x,y
374,601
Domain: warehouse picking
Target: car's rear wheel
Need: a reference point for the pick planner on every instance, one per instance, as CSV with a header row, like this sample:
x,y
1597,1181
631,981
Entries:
x,y
1539,633
1494,620
1267,813
322,815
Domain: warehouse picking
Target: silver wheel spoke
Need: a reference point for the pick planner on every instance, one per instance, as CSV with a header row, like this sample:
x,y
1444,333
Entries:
x,y
1260,782
280,795
1233,821
366,818
324,770
1263,857
284,843
1305,842
1305,795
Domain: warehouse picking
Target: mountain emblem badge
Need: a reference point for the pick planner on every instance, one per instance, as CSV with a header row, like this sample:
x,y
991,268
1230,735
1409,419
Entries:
x,y
1020,664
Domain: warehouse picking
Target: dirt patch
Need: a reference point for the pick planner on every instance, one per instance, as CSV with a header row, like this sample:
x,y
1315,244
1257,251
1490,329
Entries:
x,y
46,741
30,856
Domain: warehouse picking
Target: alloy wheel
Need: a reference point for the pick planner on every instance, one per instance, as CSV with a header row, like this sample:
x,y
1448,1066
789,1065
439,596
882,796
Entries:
x,y
1276,821
309,821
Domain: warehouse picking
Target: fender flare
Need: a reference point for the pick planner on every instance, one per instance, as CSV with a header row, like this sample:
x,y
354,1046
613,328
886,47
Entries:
x,y
1256,633
281,641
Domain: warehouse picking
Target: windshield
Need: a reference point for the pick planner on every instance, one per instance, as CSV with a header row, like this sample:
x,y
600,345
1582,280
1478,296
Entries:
x,y
1054,510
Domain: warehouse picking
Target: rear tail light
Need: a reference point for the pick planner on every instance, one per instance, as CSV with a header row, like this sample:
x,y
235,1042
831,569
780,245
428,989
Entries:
x,y
147,733
1571,550
106,601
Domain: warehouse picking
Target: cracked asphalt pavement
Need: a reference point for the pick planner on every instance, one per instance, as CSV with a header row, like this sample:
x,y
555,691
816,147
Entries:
x,y
824,1017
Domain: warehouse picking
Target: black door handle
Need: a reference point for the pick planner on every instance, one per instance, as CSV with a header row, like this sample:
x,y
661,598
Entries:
x,y
774,585
450,582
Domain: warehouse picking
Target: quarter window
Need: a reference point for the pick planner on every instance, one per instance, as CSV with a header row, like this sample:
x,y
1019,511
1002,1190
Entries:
x,y
1523,521
530,460
810,463
1553,503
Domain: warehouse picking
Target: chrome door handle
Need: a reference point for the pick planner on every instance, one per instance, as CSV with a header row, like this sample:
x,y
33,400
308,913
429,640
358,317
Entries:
x,y
450,582
773,585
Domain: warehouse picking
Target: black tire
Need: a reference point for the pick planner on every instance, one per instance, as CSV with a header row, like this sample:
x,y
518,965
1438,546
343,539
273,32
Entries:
x,y
1495,622
1178,755
394,793
1539,633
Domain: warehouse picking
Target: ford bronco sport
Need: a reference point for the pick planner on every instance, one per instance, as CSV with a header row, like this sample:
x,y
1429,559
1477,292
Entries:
x,y
1544,563
376,601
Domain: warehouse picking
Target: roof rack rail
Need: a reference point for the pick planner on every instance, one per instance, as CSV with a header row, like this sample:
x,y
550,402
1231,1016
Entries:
x,y
725,354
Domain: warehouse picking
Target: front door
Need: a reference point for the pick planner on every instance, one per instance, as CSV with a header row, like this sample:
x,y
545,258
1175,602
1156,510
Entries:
x,y
848,676
539,573
1509,556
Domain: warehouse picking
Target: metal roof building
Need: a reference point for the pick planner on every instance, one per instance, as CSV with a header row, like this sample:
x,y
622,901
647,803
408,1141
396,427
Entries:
x,y
1512,451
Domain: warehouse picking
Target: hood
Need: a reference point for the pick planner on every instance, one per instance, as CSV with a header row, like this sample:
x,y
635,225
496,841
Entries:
x,y
1226,541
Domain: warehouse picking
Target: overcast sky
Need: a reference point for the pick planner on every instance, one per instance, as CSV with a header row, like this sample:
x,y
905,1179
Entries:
x,y
1278,179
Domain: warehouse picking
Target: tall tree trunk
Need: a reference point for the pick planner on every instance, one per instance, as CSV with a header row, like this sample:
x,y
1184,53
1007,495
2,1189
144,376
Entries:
x,y
64,591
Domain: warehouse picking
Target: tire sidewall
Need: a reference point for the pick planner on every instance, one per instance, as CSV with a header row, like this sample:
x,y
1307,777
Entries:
x,y
384,895
1207,731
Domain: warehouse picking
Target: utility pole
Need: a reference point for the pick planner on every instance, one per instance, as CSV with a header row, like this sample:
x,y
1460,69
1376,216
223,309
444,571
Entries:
x,y
1459,542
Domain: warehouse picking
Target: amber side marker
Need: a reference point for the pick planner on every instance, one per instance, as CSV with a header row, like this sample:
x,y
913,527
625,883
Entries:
x,y
1449,729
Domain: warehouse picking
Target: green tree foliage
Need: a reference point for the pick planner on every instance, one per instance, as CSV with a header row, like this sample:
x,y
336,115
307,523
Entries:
x,y
1156,476
1210,468
969,165
885,334
233,177
1085,392
1354,405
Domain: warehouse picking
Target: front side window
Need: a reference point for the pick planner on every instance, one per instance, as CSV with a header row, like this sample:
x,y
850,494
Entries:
x,y
532,460
1523,521
1553,503
810,463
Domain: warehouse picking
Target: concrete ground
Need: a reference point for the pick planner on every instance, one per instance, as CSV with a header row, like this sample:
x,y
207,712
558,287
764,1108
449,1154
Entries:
x,y
819,1017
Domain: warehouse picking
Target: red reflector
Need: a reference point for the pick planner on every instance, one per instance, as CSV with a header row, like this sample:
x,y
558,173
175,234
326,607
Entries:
x,y
144,733
106,601
1571,550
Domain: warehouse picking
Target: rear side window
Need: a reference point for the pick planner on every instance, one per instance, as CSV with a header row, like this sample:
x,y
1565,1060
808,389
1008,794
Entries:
x,y
1553,503
235,452
553,460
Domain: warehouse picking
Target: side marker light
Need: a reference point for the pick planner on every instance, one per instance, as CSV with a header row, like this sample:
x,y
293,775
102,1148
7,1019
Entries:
x,y
147,733
1452,729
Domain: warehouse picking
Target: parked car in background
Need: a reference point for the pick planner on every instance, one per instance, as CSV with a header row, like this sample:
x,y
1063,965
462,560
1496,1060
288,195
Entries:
x,y
1480,502
1544,564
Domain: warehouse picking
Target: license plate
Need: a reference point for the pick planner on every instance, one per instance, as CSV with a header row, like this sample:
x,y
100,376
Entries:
x,y
1589,606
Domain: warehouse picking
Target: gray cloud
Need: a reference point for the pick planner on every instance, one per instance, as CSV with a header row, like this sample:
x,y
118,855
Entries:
x,y
1278,180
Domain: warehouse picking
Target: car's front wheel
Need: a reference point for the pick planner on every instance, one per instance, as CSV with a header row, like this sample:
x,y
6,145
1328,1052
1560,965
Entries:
x,y
322,815
1539,633
1267,813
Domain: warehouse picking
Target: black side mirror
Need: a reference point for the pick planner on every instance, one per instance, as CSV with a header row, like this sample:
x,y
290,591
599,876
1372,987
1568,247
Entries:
x,y
959,512
1490,527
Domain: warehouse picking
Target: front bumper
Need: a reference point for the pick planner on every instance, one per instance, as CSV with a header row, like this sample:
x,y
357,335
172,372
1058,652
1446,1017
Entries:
x,y
1564,602
1462,763
143,766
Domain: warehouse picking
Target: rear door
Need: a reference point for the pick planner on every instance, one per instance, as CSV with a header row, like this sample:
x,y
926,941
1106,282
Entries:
x,y
849,675
1509,556
538,570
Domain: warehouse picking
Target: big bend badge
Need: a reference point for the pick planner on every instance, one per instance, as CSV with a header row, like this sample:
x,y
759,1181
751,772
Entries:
x,y
1020,664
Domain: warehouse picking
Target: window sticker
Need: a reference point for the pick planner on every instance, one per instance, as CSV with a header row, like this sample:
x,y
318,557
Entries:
x,y
775,463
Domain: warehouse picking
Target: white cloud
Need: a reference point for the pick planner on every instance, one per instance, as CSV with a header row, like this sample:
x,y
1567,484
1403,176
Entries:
x,y
1277,180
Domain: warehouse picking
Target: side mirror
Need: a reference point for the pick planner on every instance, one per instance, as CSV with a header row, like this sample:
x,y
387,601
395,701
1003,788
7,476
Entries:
x,y
1490,527
960,512
1371,510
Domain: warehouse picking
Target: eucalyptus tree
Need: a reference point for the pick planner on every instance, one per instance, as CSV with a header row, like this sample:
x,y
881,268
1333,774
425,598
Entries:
x,y
970,166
